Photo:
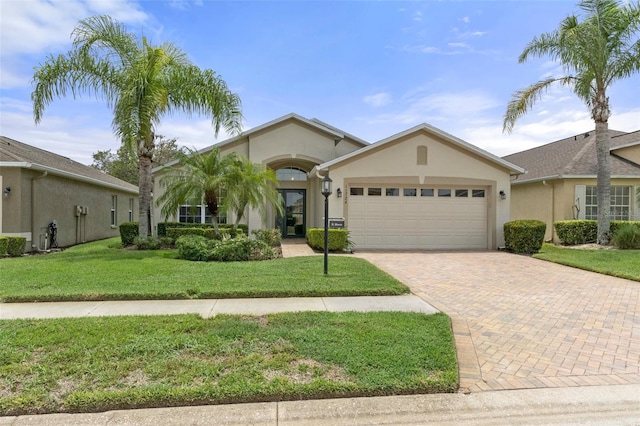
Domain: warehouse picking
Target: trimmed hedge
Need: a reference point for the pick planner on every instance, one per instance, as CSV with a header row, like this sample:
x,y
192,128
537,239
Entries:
x,y
15,246
575,232
4,244
524,236
243,248
338,239
627,236
128,233
209,233
163,226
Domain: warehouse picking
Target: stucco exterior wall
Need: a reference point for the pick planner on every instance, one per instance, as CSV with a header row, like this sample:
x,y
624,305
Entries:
x,y
631,153
555,200
56,199
446,165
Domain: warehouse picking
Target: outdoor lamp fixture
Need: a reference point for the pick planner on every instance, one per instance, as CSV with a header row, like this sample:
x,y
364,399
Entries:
x,y
503,196
326,191
6,191
339,193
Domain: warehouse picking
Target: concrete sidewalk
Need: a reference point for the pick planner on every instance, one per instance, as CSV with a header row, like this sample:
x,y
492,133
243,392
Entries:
x,y
209,307
594,405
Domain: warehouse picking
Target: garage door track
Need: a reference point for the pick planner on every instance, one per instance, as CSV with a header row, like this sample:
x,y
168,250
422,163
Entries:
x,y
522,323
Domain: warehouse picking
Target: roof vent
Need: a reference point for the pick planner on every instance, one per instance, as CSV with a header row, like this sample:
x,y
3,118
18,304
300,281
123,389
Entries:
x,y
586,135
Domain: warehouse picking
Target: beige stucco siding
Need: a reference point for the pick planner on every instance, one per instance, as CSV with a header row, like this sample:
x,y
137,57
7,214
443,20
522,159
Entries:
x,y
56,199
631,153
447,164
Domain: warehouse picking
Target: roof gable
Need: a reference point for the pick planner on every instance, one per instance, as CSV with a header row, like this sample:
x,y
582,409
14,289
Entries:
x,y
18,154
574,156
457,142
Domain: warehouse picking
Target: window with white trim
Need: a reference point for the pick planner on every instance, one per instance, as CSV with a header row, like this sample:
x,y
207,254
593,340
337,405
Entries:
x,y
130,209
114,207
620,203
199,213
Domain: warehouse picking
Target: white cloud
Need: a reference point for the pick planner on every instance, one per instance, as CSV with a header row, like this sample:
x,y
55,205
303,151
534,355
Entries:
x,y
417,16
465,19
464,45
377,100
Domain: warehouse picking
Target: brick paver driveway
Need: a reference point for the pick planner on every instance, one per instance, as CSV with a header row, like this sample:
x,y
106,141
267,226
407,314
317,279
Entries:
x,y
520,322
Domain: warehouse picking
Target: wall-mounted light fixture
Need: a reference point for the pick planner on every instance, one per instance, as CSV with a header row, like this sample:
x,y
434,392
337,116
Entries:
x,y
6,191
503,195
339,193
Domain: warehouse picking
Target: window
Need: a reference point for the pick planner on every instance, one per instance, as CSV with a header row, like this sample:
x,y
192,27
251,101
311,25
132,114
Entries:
x,y
356,191
462,193
291,173
444,193
477,193
426,192
409,192
130,209
620,203
392,192
198,213
114,207
376,192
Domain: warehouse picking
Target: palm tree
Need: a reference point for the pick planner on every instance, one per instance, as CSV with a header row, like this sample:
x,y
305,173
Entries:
x,y
594,53
254,186
200,178
141,83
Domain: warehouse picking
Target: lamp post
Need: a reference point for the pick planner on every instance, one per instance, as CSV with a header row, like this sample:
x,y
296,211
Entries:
x,y
326,191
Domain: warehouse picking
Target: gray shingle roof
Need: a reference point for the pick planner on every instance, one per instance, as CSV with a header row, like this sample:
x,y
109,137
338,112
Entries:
x,y
573,156
12,151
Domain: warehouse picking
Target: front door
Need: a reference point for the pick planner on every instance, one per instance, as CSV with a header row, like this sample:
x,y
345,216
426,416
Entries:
x,y
293,223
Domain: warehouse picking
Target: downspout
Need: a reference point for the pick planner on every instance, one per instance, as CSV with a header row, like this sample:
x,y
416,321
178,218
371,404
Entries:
x,y
34,232
553,207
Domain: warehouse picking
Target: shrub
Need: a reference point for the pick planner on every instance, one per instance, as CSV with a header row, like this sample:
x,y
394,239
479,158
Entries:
x,y
208,232
524,236
128,233
240,249
615,224
15,246
4,244
338,239
573,232
626,236
193,247
152,243
271,237
164,226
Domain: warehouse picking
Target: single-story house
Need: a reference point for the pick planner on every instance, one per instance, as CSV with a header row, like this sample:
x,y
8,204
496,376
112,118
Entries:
x,y
560,182
40,188
418,189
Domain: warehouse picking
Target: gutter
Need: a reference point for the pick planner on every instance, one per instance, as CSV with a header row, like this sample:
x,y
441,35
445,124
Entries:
x,y
58,172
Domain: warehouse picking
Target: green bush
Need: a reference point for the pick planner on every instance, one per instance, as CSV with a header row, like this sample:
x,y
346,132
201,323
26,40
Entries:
x,y
573,232
209,233
153,243
524,236
338,239
128,233
4,244
626,236
240,249
271,237
615,224
193,247
163,226
15,246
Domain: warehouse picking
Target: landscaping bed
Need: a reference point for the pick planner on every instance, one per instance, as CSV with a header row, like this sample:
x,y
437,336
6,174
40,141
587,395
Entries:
x,y
98,364
102,271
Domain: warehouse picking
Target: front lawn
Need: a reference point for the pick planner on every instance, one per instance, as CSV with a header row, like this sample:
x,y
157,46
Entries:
x,y
619,263
101,271
98,364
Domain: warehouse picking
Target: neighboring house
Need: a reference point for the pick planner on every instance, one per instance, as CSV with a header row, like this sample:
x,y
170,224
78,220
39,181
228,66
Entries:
x,y
40,188
419,189
560,182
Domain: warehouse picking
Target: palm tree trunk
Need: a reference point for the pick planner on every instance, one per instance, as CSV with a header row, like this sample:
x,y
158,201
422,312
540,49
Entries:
x,y
600,114
144,186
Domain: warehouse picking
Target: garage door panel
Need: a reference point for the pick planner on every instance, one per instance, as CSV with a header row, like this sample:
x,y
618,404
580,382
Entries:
x,y
400,222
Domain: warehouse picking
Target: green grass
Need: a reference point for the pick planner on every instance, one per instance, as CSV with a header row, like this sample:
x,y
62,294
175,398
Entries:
x,y
101,271
619,263
97,364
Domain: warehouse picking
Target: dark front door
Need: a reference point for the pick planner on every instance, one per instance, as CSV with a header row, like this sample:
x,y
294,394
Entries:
x,y
293,223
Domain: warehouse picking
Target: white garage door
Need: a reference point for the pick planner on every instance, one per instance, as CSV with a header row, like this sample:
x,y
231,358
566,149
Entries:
x,y
428,218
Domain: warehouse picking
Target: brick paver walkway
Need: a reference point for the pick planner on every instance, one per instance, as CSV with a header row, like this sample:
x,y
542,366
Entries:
x,y
521,323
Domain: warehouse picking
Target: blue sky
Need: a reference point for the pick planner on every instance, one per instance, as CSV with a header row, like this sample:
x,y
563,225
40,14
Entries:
x,y
370,68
